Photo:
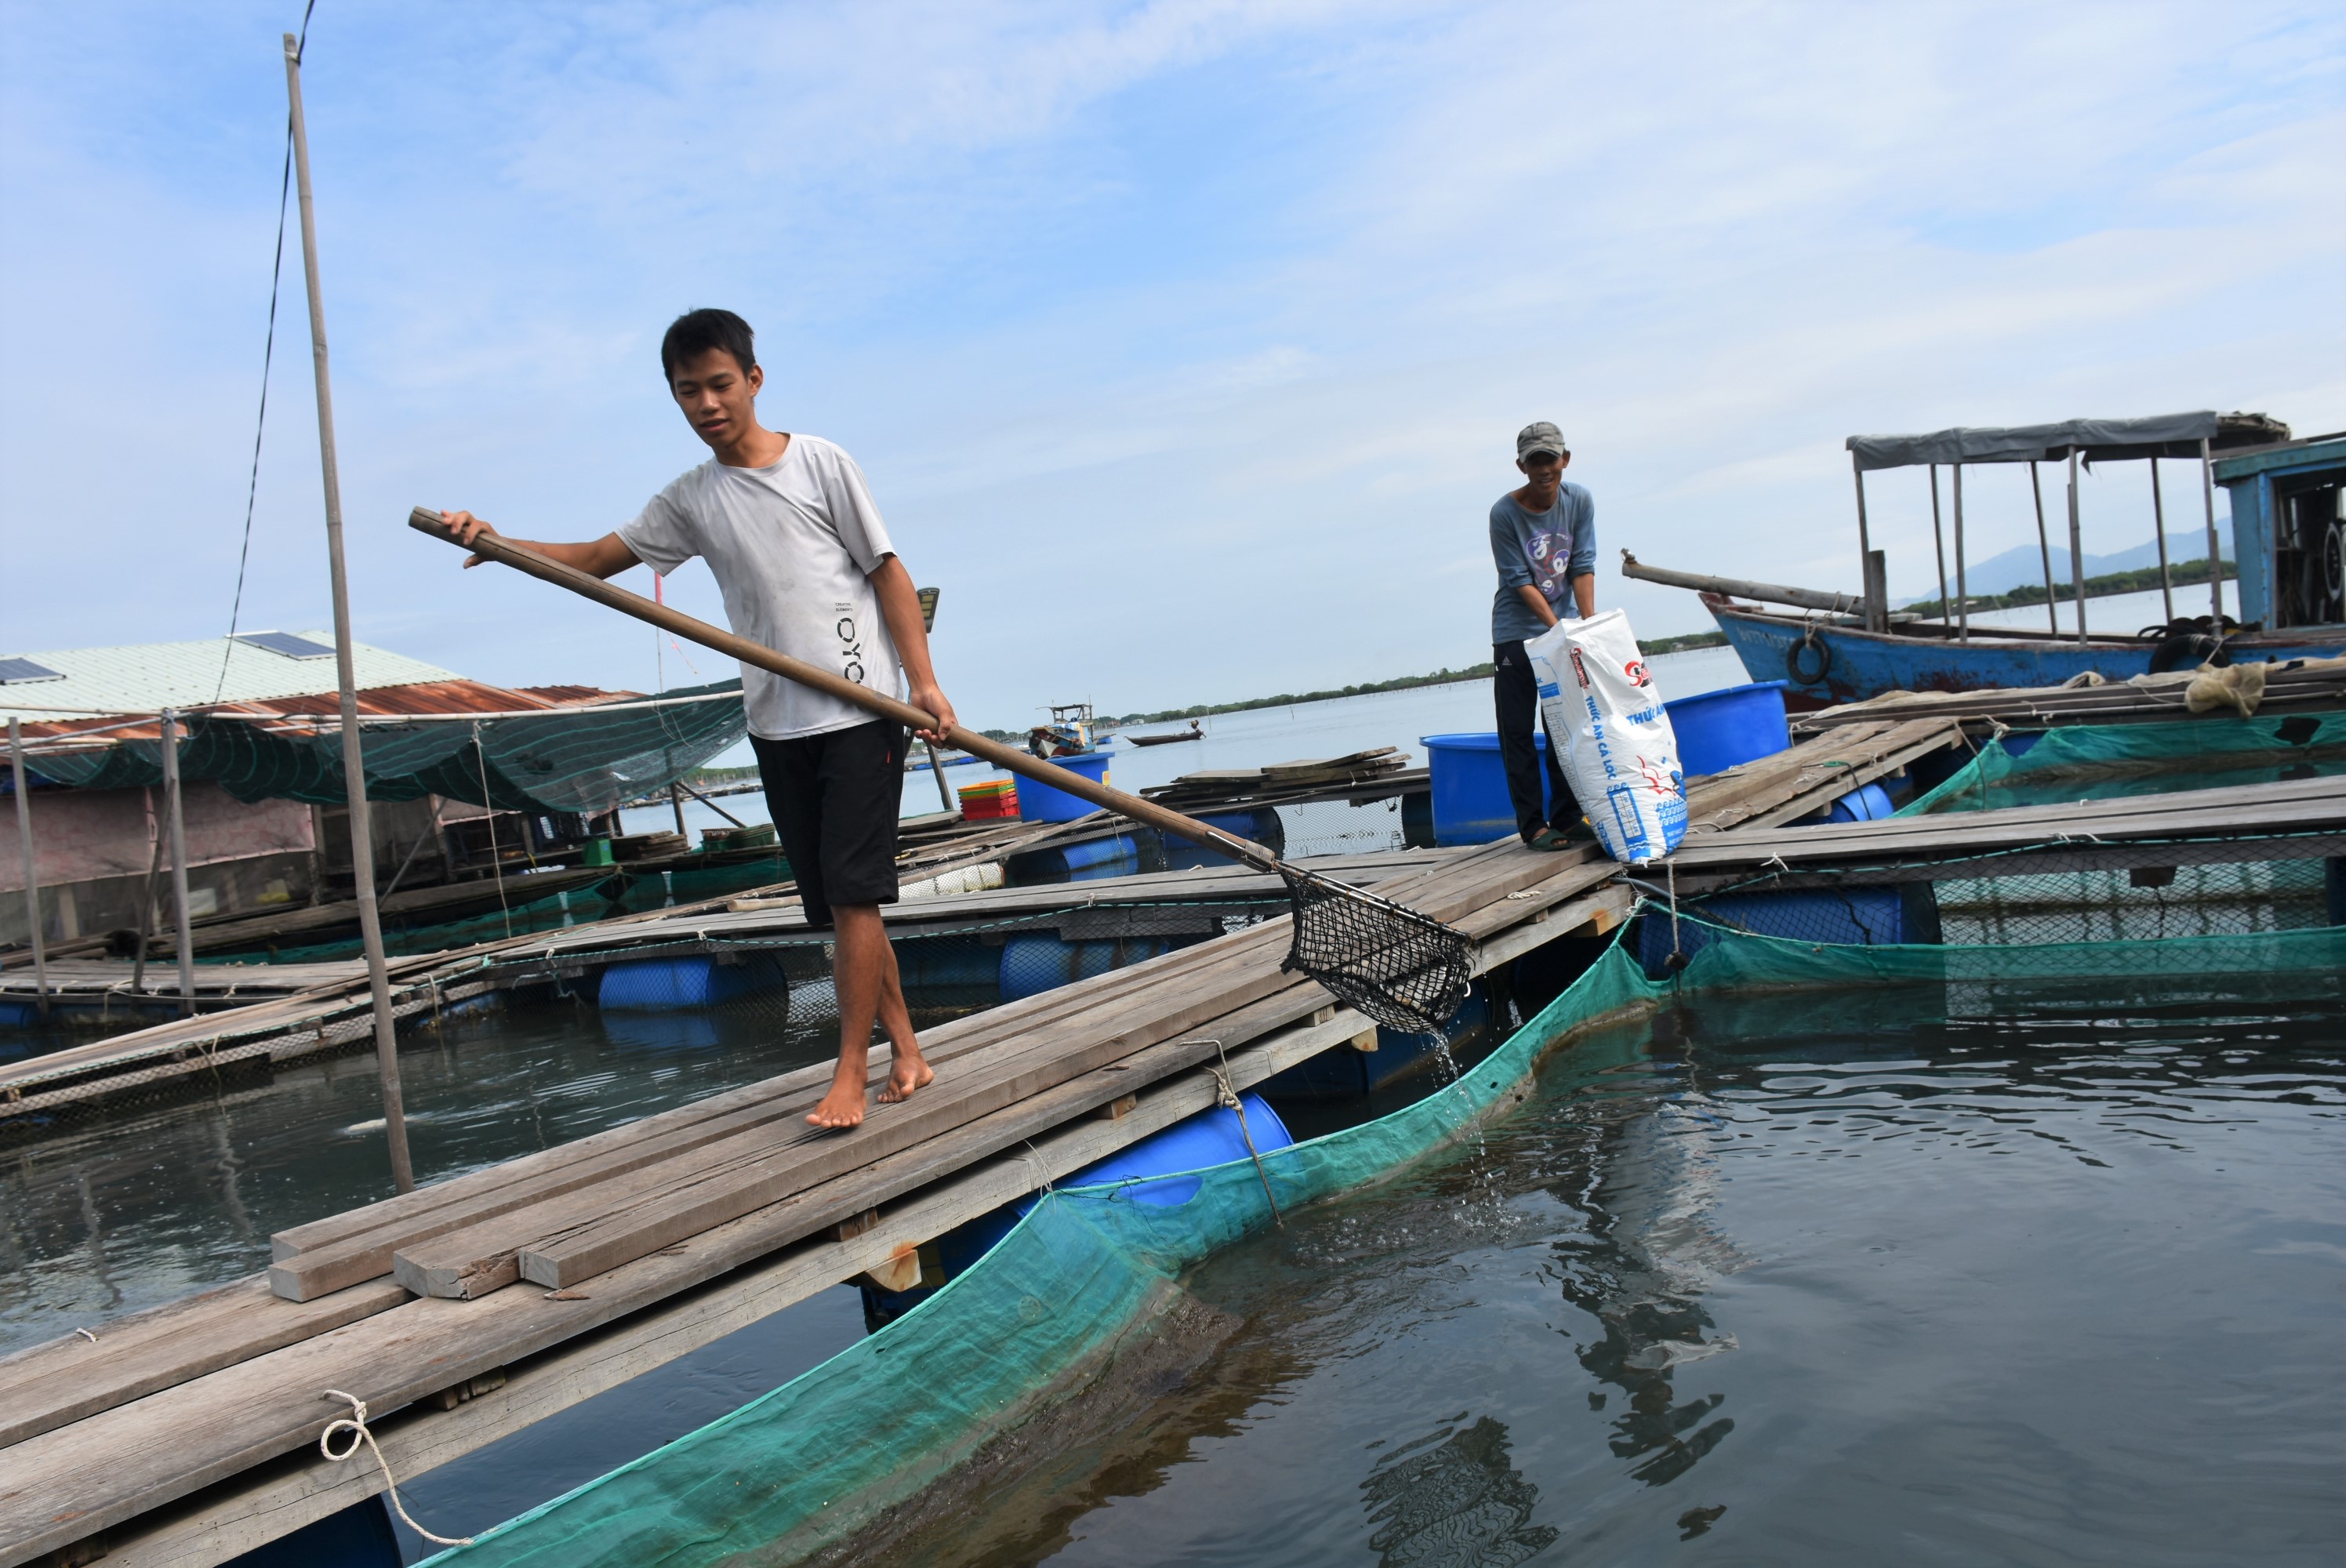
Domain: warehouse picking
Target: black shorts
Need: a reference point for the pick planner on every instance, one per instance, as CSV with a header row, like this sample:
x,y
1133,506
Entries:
x,y
834,799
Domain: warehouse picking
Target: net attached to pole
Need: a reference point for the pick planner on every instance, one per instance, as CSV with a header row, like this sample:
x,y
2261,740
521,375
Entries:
x,y
1407,971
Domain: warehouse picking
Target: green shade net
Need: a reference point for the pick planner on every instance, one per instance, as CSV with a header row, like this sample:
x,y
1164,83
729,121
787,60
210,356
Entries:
x,y
582,759
2094,762
1091,1270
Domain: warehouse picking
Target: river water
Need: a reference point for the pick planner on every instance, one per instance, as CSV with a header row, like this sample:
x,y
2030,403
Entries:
x,y
1778,1283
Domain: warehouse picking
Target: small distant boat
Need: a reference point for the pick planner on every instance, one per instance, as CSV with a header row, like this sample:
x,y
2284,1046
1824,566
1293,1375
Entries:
x,y
1192,733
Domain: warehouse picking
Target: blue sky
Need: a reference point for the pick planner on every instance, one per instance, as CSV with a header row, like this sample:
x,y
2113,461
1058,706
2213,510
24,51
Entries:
x,y
1183,344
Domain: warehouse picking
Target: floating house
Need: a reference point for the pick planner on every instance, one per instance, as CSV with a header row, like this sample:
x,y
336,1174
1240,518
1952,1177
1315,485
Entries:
x,y
467,779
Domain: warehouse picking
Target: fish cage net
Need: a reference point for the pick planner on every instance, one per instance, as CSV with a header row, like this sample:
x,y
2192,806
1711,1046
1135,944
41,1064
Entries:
x,y
2057,893
826,1466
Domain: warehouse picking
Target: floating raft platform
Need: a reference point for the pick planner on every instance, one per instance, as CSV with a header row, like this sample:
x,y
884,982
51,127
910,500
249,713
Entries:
x,y
469,1309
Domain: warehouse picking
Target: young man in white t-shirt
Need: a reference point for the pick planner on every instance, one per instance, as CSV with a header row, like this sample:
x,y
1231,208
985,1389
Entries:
x,y
803,560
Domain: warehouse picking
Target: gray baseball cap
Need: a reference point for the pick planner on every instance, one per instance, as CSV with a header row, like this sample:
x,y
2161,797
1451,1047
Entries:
x,y
1540,436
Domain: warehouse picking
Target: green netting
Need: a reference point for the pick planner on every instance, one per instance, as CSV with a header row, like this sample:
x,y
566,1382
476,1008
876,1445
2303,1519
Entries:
x,y
1090,1270
585,758
2096,761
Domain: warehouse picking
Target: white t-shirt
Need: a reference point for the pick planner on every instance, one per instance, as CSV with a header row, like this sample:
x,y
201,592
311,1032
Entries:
x,y
792,546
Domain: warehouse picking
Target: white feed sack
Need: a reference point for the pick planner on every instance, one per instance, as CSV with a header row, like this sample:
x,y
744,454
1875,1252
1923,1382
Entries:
x,y
1618,752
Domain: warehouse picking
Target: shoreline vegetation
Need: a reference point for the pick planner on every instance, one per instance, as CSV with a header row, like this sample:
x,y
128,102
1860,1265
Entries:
x,y
2183,575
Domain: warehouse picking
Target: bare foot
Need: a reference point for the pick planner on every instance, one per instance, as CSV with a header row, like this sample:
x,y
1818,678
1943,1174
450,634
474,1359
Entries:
x,y
911,1075
843,1106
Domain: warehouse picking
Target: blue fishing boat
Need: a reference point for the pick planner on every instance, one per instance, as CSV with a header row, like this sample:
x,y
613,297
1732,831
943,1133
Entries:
x,y
2288,534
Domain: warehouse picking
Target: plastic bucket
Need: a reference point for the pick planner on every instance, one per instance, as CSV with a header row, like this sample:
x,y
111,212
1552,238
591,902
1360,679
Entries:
x,y
1470,787
1041,803
1261,825
1719,729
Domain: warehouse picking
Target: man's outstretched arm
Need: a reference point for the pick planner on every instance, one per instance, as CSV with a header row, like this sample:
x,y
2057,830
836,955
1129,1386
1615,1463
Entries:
x,y
603,557
899,606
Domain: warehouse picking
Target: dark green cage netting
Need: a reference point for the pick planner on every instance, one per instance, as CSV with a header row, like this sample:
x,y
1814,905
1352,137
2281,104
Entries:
x,y
583,760
1089,1271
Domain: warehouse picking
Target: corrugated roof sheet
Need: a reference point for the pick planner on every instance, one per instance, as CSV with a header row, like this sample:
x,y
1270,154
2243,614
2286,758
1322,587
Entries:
x,y
145,677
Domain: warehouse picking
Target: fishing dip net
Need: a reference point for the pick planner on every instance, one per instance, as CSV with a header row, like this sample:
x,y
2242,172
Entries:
x,y
1407,971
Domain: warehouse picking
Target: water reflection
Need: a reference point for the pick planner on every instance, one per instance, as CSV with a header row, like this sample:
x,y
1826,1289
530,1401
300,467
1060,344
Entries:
x,y
1459,1503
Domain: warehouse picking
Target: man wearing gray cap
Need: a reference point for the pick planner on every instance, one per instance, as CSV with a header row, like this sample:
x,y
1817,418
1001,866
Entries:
x,y
1543,541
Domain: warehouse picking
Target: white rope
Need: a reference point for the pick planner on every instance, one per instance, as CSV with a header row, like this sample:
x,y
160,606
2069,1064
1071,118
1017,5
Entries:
x,y
1229,1096
355,1424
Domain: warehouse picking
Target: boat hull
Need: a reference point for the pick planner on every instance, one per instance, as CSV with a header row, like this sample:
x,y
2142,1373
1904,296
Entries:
x,y
1858,665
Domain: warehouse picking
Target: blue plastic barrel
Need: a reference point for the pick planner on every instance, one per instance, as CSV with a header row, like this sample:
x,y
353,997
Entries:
x,y
1039,961
1208,1138
1261,825
949,972
1717,729
695,981
1041,803
1869,804
1470,787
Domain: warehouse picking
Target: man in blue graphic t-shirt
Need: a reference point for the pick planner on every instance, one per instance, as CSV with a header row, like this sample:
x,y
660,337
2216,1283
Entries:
x,y
1544,542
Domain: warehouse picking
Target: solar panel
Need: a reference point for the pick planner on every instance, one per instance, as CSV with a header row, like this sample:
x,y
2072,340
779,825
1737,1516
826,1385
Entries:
x,y
289,644
16,671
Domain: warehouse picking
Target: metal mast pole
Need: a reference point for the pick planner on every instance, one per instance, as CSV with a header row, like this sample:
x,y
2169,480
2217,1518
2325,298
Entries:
x,y
1963,589
2077,549
21,782
2159,521
2044,549
1939,542
1872,579
2215,551
386,1045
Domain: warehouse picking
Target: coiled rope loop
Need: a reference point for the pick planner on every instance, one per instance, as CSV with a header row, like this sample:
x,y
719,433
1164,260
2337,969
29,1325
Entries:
x,y
354,1424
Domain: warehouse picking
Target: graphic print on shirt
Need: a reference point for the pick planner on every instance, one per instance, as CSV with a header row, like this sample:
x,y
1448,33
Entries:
x,y
1550,556
850,646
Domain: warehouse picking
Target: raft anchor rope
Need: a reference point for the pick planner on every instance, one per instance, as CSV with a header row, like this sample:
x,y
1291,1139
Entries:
x,y
355,1425
1229,1096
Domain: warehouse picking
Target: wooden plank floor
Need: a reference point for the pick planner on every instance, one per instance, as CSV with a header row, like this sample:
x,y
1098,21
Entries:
x,y
195,1394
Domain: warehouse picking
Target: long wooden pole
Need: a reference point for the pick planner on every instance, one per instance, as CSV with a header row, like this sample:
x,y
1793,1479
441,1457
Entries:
x,y
1007,758
2044,550
386,1043
2215,551
178,817
2077,549
22,786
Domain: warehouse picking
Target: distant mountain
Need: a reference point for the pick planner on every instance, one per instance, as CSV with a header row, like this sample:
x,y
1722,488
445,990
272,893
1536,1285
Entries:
x,y
2000,574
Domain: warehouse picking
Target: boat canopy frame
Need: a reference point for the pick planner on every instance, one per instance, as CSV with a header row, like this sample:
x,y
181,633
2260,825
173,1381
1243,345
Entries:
x,y
2147,439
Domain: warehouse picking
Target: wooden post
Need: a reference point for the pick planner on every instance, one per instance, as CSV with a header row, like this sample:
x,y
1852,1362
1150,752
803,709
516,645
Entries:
x,y
22,782
2077,550
2158,520
1877,590
177,819
1962,589
1877,607
2215,551
2044,549
1939,541
386,1045
147,897
675,803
